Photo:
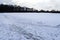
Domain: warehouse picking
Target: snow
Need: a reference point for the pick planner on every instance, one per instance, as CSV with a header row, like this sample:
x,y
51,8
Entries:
x,y
29,26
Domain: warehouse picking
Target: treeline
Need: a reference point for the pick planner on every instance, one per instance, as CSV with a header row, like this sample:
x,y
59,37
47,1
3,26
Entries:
x,y
14,8
47,11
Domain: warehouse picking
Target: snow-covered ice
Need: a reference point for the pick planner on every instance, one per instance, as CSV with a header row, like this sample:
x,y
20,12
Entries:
x,y
29,26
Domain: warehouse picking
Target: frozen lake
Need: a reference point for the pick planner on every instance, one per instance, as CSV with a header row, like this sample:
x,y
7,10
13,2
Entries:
x,y
46,18
29,26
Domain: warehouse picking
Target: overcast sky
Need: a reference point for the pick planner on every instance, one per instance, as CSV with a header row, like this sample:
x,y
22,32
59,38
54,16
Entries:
x,y
37,4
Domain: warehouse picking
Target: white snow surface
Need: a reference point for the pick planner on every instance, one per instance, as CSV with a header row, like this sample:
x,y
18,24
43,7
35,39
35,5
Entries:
x,y
29,26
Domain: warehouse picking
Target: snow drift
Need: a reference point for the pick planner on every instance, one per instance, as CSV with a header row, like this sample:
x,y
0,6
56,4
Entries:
x,y
15,26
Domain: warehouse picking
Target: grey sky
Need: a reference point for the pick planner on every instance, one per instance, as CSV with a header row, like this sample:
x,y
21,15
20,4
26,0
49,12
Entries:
x,y
37,4
6,2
